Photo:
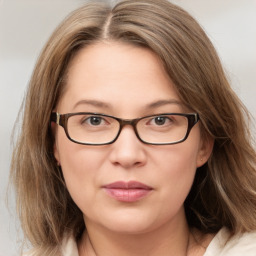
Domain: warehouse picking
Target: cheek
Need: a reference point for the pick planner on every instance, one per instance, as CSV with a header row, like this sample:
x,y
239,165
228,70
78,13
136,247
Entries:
x,y
79,166
81,174
179,160
75,159
176,171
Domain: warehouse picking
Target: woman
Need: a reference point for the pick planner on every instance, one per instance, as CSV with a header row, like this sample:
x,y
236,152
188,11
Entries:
x,y
133,142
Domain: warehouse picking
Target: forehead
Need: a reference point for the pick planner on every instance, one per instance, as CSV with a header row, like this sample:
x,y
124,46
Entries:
x,y
119,74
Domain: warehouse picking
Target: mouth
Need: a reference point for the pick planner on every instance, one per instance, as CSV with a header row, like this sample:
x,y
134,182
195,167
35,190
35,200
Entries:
x,y
131,191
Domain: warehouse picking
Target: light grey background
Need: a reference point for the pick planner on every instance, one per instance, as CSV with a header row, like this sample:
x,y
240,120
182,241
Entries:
x,y
25,26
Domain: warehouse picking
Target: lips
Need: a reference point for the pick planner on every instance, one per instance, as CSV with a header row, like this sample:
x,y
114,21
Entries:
x,y
131,191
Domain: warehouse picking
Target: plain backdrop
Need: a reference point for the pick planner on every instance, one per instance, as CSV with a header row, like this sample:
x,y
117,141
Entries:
x,y
25,26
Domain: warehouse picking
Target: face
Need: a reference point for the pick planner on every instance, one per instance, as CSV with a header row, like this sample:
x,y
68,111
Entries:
x,y
127,82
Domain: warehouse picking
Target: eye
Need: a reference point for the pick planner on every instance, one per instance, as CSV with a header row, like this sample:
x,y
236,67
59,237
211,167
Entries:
x,y
161,120
94,120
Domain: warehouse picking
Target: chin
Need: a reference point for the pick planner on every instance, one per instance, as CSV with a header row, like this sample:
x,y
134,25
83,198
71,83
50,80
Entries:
x,y
129,222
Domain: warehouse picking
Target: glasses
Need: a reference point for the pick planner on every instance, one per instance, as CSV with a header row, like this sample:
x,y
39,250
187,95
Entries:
x,y
99,129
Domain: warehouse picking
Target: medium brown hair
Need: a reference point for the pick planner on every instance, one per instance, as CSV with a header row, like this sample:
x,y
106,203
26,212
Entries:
x,y
224,190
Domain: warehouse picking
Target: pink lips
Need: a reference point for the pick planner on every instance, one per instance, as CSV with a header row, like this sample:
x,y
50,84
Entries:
x,y
127,191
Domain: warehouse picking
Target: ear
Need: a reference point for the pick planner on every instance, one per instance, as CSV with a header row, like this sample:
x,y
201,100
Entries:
x,y
56,153
55,147
205,151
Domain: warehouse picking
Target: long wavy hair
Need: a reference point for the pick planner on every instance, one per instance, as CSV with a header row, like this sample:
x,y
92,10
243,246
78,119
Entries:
x,y
224,190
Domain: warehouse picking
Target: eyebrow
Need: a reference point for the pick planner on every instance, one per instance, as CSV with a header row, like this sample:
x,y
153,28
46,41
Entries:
x,y
160,103
102,104
96,103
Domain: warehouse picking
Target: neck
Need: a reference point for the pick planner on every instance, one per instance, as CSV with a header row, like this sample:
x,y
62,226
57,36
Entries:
x,y
168,239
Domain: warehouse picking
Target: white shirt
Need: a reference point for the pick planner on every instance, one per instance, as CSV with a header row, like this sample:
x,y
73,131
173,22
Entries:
x,y
238,245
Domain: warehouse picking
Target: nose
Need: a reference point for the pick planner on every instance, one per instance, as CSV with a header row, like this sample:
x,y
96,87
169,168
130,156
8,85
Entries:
x,y
128,151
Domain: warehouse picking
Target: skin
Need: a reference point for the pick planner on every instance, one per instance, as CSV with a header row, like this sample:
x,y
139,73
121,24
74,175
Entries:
x,y
123,80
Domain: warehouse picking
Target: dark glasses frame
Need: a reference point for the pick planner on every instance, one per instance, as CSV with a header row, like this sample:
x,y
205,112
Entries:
x,y
62,120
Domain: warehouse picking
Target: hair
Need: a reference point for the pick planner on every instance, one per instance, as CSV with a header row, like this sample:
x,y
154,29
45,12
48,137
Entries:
x,y
224,189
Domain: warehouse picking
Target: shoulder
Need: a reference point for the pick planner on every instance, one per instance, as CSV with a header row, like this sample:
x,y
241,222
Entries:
x,y
241,244
69,246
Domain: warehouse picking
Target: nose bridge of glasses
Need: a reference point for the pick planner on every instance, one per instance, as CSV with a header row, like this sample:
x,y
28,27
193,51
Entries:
x,y
131,122
128,122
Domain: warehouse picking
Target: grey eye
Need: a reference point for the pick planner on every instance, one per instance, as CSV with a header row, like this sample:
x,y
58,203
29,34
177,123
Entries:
x,y
160,120
93,120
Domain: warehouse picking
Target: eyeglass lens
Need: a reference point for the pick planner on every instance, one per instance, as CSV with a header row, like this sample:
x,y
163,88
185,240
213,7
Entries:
x,y
100,129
